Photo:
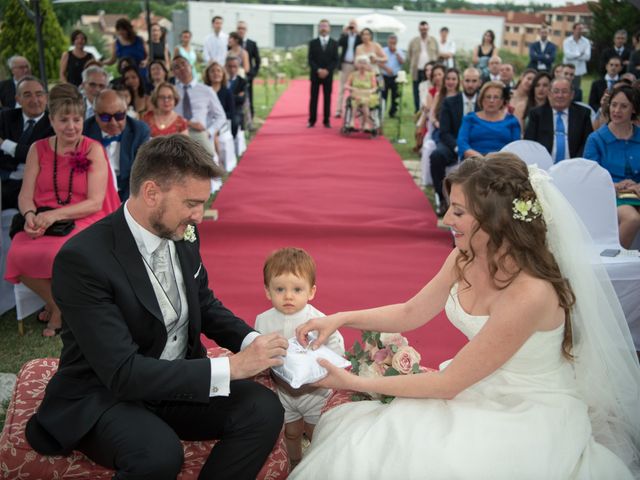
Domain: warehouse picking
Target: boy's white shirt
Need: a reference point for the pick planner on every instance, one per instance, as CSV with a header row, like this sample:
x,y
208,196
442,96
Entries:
x,y
274,321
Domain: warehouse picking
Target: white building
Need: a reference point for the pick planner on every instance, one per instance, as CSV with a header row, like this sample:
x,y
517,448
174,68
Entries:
x,y
284,26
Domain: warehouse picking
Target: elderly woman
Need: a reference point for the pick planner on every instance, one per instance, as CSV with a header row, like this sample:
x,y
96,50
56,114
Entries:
x,y
162,119
616,146
362,87
73,62
491,128
67,186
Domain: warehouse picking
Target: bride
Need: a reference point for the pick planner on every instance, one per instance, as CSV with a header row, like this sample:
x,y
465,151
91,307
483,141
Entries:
x,y
548,386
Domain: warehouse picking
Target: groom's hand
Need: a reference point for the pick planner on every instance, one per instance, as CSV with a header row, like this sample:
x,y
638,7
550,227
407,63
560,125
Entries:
x,y
264,352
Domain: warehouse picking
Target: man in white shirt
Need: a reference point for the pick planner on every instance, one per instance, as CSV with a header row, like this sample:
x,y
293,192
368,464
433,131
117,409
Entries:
x,y
577,51
199,105
94,80
446,48
134,377
217,43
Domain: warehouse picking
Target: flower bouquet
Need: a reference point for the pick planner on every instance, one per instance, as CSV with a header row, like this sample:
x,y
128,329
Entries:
x,y
382,355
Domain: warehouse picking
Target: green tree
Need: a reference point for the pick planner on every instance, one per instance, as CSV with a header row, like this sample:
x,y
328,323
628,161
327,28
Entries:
x,y
18,37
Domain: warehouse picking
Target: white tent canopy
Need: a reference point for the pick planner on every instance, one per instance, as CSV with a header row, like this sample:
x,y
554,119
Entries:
x,y
380,23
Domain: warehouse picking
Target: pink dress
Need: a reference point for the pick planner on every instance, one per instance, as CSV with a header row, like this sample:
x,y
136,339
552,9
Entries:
x,y
34,257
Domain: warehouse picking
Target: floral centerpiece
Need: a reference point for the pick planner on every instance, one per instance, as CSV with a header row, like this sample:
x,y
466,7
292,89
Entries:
x,y
382,355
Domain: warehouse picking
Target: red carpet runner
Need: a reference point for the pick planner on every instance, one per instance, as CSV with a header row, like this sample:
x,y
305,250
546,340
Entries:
x,y
348,201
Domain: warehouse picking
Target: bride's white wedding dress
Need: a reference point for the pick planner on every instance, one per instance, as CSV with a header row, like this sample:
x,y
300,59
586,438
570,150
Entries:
x,y
524,421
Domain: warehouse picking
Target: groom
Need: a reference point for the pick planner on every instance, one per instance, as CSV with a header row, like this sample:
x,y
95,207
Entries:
x,y
134,378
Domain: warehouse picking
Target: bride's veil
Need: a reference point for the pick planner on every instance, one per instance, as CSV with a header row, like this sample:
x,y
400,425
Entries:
x,y
605,361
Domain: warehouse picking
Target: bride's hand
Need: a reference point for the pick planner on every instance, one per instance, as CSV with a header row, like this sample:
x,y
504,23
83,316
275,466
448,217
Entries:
x,y
337,378
325,326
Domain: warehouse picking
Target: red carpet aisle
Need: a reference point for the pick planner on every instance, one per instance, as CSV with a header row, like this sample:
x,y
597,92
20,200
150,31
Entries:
x,y
348,201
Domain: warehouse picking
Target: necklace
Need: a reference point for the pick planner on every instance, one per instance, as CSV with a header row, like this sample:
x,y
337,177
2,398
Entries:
x,y
55,176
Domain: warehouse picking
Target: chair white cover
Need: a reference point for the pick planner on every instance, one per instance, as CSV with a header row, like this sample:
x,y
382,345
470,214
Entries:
x,y
7,299
531,153
27,301
425,163
589,188
241,143
227,148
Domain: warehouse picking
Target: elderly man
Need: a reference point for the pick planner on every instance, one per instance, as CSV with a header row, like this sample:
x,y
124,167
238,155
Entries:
x,y
254,59
19,67
495,63
19,128
618,49
347,44
217,42
577,51
422,50
390,69
94,80
134,377
542,53
120,134
199,105
506,75
560,125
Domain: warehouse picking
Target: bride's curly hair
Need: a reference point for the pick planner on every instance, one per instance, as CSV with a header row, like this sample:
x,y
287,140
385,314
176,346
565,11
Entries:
x,y
490,184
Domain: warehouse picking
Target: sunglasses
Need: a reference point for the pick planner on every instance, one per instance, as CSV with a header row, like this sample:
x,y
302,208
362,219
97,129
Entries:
x,y
106,117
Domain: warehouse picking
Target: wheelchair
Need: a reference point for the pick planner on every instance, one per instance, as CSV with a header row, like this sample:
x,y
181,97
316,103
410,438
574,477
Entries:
x,y
376,115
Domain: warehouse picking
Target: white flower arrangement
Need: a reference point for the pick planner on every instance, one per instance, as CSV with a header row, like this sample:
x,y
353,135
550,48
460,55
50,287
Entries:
x,y
526,210
190,234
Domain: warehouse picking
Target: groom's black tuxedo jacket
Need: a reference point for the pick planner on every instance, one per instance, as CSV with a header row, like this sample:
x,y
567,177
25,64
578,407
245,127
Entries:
x,y
113,334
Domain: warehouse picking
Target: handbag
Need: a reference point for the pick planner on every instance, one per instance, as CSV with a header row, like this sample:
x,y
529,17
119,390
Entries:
x,y
61,228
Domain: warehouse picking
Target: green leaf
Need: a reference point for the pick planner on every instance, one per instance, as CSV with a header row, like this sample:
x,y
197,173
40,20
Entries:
x,y
394,348
357,348
387,399
391,372
415,368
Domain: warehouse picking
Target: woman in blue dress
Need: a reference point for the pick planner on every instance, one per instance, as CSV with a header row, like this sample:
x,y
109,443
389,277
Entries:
x,y
616,147
128,44
491,128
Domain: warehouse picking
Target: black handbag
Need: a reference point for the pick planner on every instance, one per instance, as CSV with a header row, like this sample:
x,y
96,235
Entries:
x,y
61,228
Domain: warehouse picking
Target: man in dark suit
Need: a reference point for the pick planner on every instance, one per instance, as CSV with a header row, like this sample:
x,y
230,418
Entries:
x,y
600,86
618,49
323,60
238,87
19,128
560,125
453,109
254,59
134,378
542,53
19,67
120,134
348,42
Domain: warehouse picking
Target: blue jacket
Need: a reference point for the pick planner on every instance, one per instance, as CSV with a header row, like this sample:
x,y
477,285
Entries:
x,y
613,154
135,133
486,137
537,55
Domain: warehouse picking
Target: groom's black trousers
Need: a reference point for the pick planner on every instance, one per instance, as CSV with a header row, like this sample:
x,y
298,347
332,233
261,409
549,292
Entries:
x,y
142,441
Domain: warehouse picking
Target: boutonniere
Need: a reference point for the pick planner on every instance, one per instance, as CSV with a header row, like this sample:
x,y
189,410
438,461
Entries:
x,y
190,234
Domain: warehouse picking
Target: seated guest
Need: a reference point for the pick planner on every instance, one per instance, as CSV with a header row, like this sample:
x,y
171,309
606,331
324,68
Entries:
x,y
199,105
162,119
520,94
73,62
506,75
493,70
94,80
126,92
490,128
19,128
453,110
560,125
601,117
158,74
558,71
616,147
450,88
422,126
19,67
569,72
538,93
601,85
120,135
216,77
67,177
132,78
238,87
425,85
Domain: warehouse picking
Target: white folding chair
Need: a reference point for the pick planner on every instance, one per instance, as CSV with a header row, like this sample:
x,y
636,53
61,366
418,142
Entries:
x,y
425,163
7,299
240,142
590,190
531,153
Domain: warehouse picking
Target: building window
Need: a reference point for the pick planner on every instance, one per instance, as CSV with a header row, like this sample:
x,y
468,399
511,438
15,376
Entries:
x,y
287,35
571,18
506,42
516,29
507,28
514,43
529,30
559,18
557,33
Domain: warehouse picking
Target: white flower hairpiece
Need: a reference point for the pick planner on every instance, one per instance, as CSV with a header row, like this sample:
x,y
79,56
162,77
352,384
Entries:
x,y
526,210
190,234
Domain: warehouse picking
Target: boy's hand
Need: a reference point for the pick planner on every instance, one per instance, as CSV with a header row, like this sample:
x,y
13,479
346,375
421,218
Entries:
x,y
264,352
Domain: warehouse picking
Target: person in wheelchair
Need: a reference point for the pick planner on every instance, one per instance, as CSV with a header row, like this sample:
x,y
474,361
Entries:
x,y
362,86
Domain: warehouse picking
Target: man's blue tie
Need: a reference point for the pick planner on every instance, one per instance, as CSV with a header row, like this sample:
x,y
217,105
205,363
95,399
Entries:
x,y
610,84
108,140
561,137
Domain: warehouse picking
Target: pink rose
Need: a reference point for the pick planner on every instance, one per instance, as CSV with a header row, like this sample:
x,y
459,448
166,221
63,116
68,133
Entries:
x,y
383,356
396,339
371,350
404,359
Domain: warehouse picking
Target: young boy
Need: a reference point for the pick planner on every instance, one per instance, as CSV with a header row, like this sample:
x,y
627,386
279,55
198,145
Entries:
x,y
290,283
